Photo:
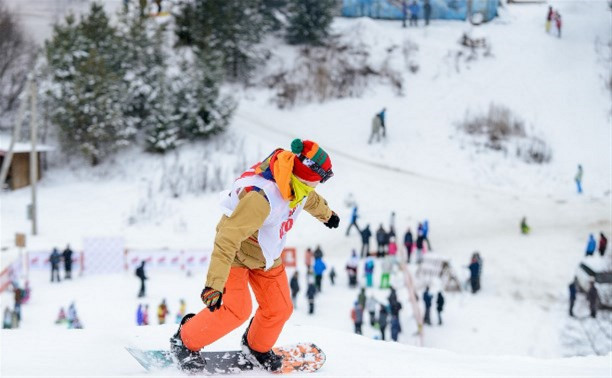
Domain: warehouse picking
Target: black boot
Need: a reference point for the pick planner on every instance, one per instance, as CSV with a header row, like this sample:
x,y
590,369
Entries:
x,y
267,360
188,360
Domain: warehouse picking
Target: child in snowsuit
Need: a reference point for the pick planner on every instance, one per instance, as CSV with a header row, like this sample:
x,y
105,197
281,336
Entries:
x,y
259,210
357,316
162,311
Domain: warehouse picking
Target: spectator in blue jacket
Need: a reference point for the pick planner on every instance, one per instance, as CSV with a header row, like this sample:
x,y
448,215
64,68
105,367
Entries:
x,y
591,245
414,13
383,124
319,268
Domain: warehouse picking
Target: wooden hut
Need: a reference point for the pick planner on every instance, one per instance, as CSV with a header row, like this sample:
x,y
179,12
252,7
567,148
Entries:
x,y
19,171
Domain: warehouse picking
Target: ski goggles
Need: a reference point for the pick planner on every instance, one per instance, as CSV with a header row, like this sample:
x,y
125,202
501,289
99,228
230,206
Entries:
x,y
316,168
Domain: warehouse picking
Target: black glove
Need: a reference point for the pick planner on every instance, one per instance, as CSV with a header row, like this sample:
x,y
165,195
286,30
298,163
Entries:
x,y
211,298
333,221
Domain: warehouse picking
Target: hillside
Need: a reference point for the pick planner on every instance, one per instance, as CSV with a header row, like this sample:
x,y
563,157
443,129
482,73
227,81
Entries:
x,y
425,169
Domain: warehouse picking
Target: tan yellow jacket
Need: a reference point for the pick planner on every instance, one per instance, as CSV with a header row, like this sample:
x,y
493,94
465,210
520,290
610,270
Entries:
x,y
236,240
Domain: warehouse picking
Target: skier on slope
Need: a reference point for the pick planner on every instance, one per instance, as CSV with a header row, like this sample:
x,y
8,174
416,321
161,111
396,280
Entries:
x,y
259,211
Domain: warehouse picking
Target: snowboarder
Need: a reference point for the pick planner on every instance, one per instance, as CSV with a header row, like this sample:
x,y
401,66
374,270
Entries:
x,y
162,312
427,298
140,273
67,255
54,260
408,243
578,179
549,17
593,298
332,276
366,234
354,216
357,316
414,13
295,288
382,320
440,306
591,245
259,212
371,304
524,227
319,268
603,244
351,268
381,115
369,271
572,297
376,129
427,12
396,327
381,241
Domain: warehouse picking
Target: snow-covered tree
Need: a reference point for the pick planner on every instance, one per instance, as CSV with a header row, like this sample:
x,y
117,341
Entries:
x,y
16,58
199,109
231,28
309,21
88,91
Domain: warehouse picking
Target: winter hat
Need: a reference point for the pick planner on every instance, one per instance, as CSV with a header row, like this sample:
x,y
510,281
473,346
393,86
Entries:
x,y
312,163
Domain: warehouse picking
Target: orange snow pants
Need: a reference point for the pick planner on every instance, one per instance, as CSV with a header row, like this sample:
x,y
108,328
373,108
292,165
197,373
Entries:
x,y
271,290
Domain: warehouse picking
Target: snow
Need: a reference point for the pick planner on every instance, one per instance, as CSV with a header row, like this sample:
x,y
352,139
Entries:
x,y
424,170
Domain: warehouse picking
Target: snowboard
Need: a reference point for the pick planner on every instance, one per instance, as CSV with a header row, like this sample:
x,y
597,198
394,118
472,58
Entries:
x,y
302,357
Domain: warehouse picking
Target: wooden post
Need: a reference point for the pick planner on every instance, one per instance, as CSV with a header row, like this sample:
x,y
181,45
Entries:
x,y
16,131
33,156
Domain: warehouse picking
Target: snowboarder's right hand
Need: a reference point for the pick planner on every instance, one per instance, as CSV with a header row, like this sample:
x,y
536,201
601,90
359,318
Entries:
x,y
211,298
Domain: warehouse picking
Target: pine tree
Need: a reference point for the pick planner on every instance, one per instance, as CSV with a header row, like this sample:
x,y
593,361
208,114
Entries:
x,y
229,27
309,21
199,109
86,100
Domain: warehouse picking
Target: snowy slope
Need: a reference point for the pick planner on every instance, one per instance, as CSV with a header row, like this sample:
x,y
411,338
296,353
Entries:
x,y
473,202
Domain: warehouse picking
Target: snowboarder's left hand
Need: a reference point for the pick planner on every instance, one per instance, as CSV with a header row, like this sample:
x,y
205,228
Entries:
x,y
211,298
333,221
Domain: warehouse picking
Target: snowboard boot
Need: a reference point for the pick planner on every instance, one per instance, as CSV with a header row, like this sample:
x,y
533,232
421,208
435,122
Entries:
x,y
267,360
188,360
